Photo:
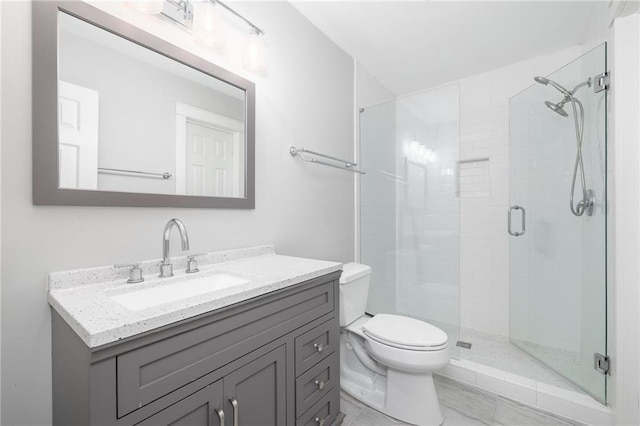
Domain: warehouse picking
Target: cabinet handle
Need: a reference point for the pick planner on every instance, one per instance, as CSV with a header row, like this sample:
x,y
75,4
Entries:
x,y
220,414
319,384
236,410
318,347
320,421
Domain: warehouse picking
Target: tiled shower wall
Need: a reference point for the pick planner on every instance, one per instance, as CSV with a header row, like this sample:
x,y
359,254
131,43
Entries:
x,y
484,189
484,154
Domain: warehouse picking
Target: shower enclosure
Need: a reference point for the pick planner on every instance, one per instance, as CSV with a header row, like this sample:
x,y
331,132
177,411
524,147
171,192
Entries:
x,y
409,208
557,218
409,226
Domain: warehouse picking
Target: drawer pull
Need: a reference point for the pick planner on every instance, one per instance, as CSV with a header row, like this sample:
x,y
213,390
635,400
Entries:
x,y
220,414
318,347
319,384
320,421
236,410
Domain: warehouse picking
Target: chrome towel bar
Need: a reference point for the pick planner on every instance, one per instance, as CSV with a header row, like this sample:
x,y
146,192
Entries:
x,y
165,175
348,165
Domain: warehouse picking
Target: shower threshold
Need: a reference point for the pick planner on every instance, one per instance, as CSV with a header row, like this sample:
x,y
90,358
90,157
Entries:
x,y
521,378
493,350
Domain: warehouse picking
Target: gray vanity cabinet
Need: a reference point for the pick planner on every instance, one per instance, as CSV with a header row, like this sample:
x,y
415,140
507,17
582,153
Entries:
x,y
259,391
270,360
200,409
255,393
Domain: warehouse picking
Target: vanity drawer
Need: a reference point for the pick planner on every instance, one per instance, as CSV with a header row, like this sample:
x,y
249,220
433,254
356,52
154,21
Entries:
x,y
315,345
152,371
316,383
323,413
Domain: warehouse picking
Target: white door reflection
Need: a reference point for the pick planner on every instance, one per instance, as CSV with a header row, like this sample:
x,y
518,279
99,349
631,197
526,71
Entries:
x,y
209,153
78,138
209,161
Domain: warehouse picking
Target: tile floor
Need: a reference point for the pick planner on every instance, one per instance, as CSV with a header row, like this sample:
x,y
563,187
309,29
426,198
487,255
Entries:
x,y
461,406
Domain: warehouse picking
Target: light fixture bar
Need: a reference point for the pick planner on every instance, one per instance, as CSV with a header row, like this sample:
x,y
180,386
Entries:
x,y
184,8
202,19
251,24
180,13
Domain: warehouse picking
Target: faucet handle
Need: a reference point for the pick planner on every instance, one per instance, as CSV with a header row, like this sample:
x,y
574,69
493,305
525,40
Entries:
x,y
135,273
192,263
166,271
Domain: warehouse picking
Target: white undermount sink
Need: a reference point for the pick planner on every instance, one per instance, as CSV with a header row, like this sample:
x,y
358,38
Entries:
x,y
167,293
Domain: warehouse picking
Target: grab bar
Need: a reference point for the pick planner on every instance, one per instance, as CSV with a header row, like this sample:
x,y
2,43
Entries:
x,y
524,221
348,165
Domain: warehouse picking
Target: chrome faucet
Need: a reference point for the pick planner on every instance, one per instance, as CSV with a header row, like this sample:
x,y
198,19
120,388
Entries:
x,y
166,268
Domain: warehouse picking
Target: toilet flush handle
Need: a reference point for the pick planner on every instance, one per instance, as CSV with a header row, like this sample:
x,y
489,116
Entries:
x,y
318,347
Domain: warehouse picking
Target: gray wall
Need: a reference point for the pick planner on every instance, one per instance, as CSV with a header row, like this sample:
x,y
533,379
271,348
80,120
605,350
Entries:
x,y
369,90
1,38
304,98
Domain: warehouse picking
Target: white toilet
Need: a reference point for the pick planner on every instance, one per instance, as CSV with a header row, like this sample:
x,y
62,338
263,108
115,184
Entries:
x,y
386,360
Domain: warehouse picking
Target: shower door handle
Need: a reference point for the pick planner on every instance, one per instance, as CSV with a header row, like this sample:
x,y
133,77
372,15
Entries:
x,y
524,221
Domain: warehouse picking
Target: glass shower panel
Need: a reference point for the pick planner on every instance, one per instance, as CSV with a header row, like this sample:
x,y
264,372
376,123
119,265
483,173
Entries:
x,y
558,265
377,207
409,208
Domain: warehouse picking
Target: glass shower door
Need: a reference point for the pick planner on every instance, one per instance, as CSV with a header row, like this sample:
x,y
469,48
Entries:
x,y
409,207
558,244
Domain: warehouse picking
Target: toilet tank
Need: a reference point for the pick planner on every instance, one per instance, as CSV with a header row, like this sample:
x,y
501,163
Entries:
x,y
354,290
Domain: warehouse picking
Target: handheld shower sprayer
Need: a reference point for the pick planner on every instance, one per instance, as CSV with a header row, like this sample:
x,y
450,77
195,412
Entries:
x,y
587,202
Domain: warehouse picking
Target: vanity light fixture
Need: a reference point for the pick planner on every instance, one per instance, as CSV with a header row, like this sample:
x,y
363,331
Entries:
x,y
208,28
203,18
253,55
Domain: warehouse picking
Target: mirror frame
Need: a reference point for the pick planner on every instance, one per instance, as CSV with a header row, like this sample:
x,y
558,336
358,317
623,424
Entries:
x,y
45,163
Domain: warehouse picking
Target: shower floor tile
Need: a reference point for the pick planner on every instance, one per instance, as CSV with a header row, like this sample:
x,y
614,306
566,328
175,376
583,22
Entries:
x,y
496,351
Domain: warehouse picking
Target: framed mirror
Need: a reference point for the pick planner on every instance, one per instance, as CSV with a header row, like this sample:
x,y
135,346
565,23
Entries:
x,y
123,118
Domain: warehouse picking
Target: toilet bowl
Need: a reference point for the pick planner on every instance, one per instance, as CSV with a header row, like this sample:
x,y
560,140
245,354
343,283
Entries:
x,y
387,361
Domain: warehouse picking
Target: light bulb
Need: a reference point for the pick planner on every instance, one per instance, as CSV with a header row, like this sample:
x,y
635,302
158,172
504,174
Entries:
x,y
207,24
254,56
149,6
414,147
431,154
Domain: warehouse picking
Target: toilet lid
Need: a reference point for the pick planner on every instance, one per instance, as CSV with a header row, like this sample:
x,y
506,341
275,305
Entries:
x,y
404,331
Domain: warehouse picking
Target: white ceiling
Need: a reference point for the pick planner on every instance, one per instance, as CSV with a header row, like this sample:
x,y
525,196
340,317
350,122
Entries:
x,y
413,45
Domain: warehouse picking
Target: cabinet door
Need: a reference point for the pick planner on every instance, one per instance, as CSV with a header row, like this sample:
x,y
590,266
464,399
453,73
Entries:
x,y
203,408
255,395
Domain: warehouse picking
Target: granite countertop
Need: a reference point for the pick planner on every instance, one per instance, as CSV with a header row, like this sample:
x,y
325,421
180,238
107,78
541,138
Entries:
x,y
83,297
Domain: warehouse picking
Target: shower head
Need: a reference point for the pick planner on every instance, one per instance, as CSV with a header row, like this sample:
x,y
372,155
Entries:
x,y
557,108
568,95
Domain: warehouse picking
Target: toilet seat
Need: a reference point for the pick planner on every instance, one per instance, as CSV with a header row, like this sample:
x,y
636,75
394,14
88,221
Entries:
x,y
405,333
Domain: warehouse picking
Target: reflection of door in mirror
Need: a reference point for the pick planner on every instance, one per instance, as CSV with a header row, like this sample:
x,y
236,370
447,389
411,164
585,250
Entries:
x,y
78,127
209,153
209,161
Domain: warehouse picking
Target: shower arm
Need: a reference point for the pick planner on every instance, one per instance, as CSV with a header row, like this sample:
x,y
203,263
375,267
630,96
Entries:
x,y
584,83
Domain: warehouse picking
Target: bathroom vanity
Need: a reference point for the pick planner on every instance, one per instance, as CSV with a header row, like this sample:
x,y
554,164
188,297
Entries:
x,y
261,351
